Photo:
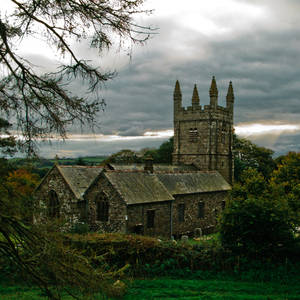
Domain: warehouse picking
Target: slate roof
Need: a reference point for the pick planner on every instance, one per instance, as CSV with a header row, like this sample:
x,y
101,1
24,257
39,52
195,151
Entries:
x,y
138,187
79,178
156,167
196,182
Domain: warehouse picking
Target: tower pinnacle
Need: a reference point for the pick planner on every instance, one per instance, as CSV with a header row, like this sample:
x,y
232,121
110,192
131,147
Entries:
x,y
230,94
177,96
230,97
195,98
213,93
177,90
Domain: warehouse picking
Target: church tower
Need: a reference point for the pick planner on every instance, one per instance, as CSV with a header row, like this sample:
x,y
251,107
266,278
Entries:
x,y
204,136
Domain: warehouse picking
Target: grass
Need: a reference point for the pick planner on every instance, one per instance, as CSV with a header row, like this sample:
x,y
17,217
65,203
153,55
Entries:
x,y
165,288
210,289
20,292
23,292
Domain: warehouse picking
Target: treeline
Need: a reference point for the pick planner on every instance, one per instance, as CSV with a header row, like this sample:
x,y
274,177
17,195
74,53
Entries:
x,y
40,166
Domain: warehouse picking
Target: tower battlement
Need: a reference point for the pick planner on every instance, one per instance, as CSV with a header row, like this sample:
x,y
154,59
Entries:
x,y
203,134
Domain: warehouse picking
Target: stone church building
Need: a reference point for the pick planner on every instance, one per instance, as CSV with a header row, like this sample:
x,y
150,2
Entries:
x,y
154,199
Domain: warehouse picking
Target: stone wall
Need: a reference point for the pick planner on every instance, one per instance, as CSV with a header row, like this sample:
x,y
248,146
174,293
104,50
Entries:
x,y
204,137
117,207
137,219
68,204
212,207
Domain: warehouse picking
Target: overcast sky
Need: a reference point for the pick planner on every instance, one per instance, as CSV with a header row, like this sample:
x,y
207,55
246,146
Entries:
x,y
256,44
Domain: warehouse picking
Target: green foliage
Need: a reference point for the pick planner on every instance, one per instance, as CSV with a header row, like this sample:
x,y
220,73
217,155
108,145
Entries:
x,y
80,228
163,154
256,226
286,179
248,155
80,162
167,288
125,156
202,263
256,221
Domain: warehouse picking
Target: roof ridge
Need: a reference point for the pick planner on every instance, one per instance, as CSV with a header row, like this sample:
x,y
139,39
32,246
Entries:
x,y
77,166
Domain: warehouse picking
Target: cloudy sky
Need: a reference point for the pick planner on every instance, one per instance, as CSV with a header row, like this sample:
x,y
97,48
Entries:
x,y
254,43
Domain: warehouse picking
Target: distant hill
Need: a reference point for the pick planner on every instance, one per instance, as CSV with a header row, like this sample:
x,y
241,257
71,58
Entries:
x,y
41,166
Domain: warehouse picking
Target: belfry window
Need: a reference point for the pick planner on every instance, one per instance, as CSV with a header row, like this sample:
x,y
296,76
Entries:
x,y
53,207
102,206
193,134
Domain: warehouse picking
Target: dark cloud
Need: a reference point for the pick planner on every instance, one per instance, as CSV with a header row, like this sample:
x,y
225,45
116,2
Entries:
x,y
262,59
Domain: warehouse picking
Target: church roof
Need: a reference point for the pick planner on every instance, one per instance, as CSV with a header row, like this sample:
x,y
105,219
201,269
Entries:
x,y
79,178
138,187
156,167
196,182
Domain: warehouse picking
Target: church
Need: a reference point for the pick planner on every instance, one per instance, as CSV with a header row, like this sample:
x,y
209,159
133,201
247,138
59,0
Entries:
x,y
153,199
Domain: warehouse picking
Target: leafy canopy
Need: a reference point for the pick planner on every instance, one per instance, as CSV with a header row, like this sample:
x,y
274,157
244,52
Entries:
x,y
248,155
257,219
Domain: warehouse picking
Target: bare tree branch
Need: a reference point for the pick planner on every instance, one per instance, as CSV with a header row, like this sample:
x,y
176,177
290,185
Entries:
x,y
42,104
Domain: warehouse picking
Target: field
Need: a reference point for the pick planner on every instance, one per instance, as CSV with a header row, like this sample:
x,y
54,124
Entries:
x,y
180,289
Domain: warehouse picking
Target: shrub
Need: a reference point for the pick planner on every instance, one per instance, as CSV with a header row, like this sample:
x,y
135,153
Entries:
x,y
256,226
80,228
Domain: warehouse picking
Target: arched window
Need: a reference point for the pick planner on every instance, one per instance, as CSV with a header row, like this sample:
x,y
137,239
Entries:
x,y
102,206
53,207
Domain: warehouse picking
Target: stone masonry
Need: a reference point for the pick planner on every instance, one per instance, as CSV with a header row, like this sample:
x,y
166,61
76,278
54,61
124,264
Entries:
x,y
204,136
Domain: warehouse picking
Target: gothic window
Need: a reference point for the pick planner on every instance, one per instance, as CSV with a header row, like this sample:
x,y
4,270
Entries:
x,y
201,210
53,207
150,218
193,134
223,204
181,209
81,205
102,207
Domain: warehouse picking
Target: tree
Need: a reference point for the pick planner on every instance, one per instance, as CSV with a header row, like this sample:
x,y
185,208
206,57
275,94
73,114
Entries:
x,y
22,183
163,154
80,162
41,104
248,155
256,220
286,178
165,151
125,156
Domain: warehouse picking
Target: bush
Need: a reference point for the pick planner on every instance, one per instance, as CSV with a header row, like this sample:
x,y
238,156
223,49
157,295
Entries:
x,y
80,228
256,226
